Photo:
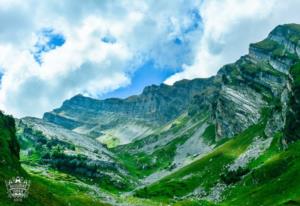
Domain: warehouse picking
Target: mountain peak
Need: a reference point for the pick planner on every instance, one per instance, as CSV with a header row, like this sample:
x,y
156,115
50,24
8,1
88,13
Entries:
x,y
286,29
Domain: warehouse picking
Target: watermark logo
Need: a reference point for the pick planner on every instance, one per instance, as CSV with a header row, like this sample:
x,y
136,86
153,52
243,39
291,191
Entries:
x,y
17,188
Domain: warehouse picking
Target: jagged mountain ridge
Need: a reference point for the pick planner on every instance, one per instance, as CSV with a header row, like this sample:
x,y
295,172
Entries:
x,y
158,104
231,128
265,66
133,117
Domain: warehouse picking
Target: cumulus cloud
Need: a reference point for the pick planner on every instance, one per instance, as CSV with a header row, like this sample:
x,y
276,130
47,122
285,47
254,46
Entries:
x,y
61,48
229,27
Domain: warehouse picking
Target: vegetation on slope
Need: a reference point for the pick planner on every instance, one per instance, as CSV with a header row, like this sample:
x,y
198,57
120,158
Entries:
x,y
204,172
9,152
43,191
269,179
141,164
292,129
272,178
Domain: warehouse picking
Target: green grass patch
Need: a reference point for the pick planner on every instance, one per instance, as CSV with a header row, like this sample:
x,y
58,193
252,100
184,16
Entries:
x,y
274,182
209,134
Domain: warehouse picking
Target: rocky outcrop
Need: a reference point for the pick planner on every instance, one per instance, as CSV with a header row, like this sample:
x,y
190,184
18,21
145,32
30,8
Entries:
x,y
255,81
237,109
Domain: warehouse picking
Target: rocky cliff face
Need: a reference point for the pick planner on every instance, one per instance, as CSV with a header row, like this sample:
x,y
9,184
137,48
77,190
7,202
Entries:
x,y
256,80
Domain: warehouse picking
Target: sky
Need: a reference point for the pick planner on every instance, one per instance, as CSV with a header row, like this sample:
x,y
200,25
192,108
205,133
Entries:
x,y
52,50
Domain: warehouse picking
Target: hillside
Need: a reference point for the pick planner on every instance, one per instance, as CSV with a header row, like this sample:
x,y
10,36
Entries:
x,y
256,165
231,139
43,191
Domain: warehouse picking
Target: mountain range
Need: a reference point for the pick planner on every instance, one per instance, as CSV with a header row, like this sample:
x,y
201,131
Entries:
x,y
231,139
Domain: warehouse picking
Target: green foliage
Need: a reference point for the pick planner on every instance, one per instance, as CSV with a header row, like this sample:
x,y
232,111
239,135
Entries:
x,y
9,146
295,73
274,48
47,192
231,177
275,181
194,203
266,44
276,103
292,129
209,134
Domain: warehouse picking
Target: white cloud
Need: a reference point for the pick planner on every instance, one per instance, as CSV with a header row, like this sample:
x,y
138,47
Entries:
x,y
229,27
84,63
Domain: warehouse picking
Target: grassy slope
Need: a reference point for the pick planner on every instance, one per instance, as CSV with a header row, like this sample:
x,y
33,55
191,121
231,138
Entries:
x,y
43,191
275,182
204,172
273,178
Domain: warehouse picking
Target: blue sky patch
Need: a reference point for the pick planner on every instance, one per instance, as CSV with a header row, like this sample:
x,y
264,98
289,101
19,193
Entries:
x,y
197,22
109,39
177,41
1,75
147,74
47,41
